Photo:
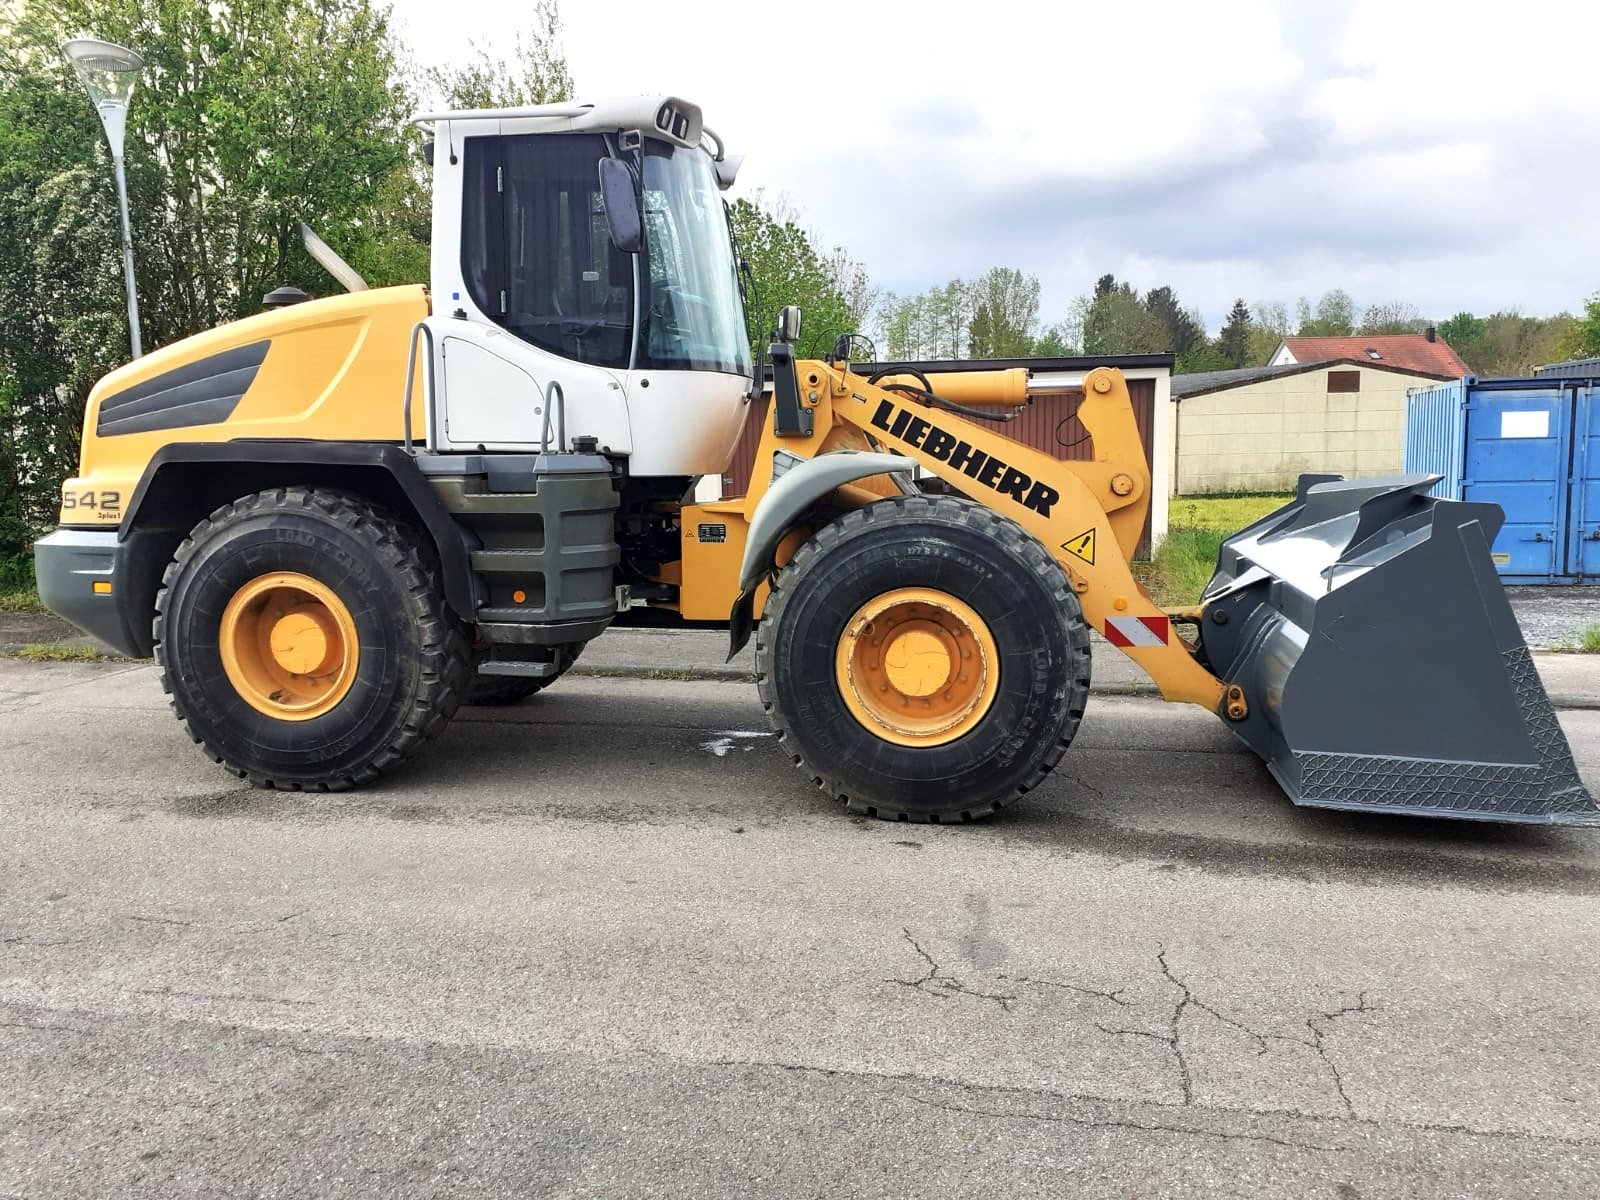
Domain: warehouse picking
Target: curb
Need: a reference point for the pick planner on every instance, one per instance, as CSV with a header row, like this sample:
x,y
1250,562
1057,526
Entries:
x,y
1560,701
738,675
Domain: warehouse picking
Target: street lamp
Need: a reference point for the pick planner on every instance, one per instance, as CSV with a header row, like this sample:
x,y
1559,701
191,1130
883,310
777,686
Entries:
x,y
108,73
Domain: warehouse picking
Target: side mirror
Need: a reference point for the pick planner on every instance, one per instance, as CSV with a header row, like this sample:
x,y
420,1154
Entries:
x,y
621,205
788,324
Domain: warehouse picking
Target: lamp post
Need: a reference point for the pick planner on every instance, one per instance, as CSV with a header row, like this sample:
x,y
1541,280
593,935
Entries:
x,y
108,73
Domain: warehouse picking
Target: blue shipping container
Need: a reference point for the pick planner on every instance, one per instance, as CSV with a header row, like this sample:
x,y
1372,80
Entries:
x,y
1532,446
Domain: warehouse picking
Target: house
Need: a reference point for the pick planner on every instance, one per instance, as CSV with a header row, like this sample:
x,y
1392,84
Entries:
x,y
1258,428
1409,351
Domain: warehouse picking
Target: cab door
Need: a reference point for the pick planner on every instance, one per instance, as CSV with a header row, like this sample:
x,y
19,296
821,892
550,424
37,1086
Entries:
x,y
544,297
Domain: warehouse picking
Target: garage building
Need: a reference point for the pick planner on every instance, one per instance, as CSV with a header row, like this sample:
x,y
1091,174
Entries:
x,y
1257,429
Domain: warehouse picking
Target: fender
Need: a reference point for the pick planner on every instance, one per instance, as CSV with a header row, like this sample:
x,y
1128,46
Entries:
x,y
790,495
168,492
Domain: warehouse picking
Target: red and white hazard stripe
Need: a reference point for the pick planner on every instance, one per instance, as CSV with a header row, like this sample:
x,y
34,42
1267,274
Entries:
x,y
1138,631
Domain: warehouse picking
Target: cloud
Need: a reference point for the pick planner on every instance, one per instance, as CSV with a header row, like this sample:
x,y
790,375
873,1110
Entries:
x,y
1401,150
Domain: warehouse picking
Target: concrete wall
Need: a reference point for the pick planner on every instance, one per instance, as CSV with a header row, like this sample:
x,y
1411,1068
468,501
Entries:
x,y
1259,437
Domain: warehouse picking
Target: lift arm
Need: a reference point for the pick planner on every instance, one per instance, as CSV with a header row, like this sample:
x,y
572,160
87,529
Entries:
x,y
1089,515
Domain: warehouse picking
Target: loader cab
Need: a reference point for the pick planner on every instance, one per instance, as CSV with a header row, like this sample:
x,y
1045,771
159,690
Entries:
x,y
532,283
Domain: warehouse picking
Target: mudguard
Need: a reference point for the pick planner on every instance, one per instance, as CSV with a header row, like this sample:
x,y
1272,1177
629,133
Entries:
x,y
791,494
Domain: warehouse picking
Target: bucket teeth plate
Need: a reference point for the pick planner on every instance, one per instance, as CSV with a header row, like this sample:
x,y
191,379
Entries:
x,y
1384,666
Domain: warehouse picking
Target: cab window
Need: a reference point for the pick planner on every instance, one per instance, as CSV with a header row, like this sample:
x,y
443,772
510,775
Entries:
x,y
535,251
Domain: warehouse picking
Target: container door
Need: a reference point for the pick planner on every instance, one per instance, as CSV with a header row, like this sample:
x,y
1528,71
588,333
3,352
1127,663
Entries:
x,y
1516,457
1583,555
1433,435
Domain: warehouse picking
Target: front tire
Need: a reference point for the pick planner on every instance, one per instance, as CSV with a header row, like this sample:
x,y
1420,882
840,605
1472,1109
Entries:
x,y
923,659
305,642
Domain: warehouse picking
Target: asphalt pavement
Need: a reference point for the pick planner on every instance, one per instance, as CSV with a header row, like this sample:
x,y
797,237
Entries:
x,y
608,943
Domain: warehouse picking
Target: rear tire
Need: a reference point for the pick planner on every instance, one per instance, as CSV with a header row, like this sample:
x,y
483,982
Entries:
x,y
492,690
382,663
940,577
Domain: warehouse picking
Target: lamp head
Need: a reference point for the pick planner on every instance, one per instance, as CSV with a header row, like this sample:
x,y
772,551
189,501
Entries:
x,y
108,72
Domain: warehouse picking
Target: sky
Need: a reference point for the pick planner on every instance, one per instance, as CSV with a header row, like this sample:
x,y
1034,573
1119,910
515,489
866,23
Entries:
x,y
1441,154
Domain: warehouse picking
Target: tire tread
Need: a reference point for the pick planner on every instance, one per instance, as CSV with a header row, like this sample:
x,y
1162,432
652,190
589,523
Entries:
x,y
954,510
446,654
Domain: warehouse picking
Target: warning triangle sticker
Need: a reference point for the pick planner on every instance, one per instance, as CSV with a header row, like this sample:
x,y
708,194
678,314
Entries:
x,y
1081,546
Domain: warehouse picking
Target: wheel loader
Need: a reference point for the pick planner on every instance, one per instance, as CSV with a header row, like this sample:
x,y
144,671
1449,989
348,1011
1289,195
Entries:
x,y
335,522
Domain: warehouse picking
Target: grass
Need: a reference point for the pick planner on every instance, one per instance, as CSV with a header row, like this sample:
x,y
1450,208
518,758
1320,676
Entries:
x,y
17,593
20,600
57,652
1589,641
1196,527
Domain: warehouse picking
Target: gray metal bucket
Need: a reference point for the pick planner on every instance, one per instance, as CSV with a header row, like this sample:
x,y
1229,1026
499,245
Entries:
x,y
1382,663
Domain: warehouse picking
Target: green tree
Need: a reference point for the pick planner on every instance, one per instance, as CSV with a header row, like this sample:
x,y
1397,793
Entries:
x,y
1462,332
1395,317
902,328
1053,342
1584,340
535,72
249,117
1233,343
785,267
1269,325
1509,343
1117,323
1334,315
1513,344
1005,312
1185,331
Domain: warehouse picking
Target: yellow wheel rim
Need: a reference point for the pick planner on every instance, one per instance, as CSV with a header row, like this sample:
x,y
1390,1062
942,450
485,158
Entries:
x,y
917,667
289,646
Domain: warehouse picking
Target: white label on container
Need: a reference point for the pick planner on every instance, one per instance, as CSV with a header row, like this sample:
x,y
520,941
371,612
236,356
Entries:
x,y
1525,424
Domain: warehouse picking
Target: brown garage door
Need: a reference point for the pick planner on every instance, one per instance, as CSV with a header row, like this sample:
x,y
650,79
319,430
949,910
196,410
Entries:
x,y
1048,424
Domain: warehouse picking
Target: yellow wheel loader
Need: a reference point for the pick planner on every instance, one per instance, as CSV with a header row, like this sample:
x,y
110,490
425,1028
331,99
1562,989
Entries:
x,y
337,521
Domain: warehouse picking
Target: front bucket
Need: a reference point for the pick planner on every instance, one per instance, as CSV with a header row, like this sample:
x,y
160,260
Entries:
x,y
1382,664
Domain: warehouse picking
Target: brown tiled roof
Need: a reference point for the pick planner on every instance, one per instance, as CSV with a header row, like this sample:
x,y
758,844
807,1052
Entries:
x,y
1411,351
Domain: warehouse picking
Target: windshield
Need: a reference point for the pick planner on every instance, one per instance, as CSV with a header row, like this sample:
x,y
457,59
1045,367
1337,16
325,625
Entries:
x,y
691,314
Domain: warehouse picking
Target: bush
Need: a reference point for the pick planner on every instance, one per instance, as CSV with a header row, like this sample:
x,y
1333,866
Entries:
x,y
1185,562
17,592
1197,525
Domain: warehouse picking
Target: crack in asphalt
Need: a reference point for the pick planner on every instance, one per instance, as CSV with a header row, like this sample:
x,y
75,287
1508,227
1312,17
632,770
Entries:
x,y
941,984
194,995
1093,1123
977,1090
1115,997
45,1028
1080,781
1173,1037
1090,1098
1318,1033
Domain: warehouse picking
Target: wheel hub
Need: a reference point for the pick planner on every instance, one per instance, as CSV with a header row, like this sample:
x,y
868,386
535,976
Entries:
x,y
917,667
306,641
918,658
289,646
